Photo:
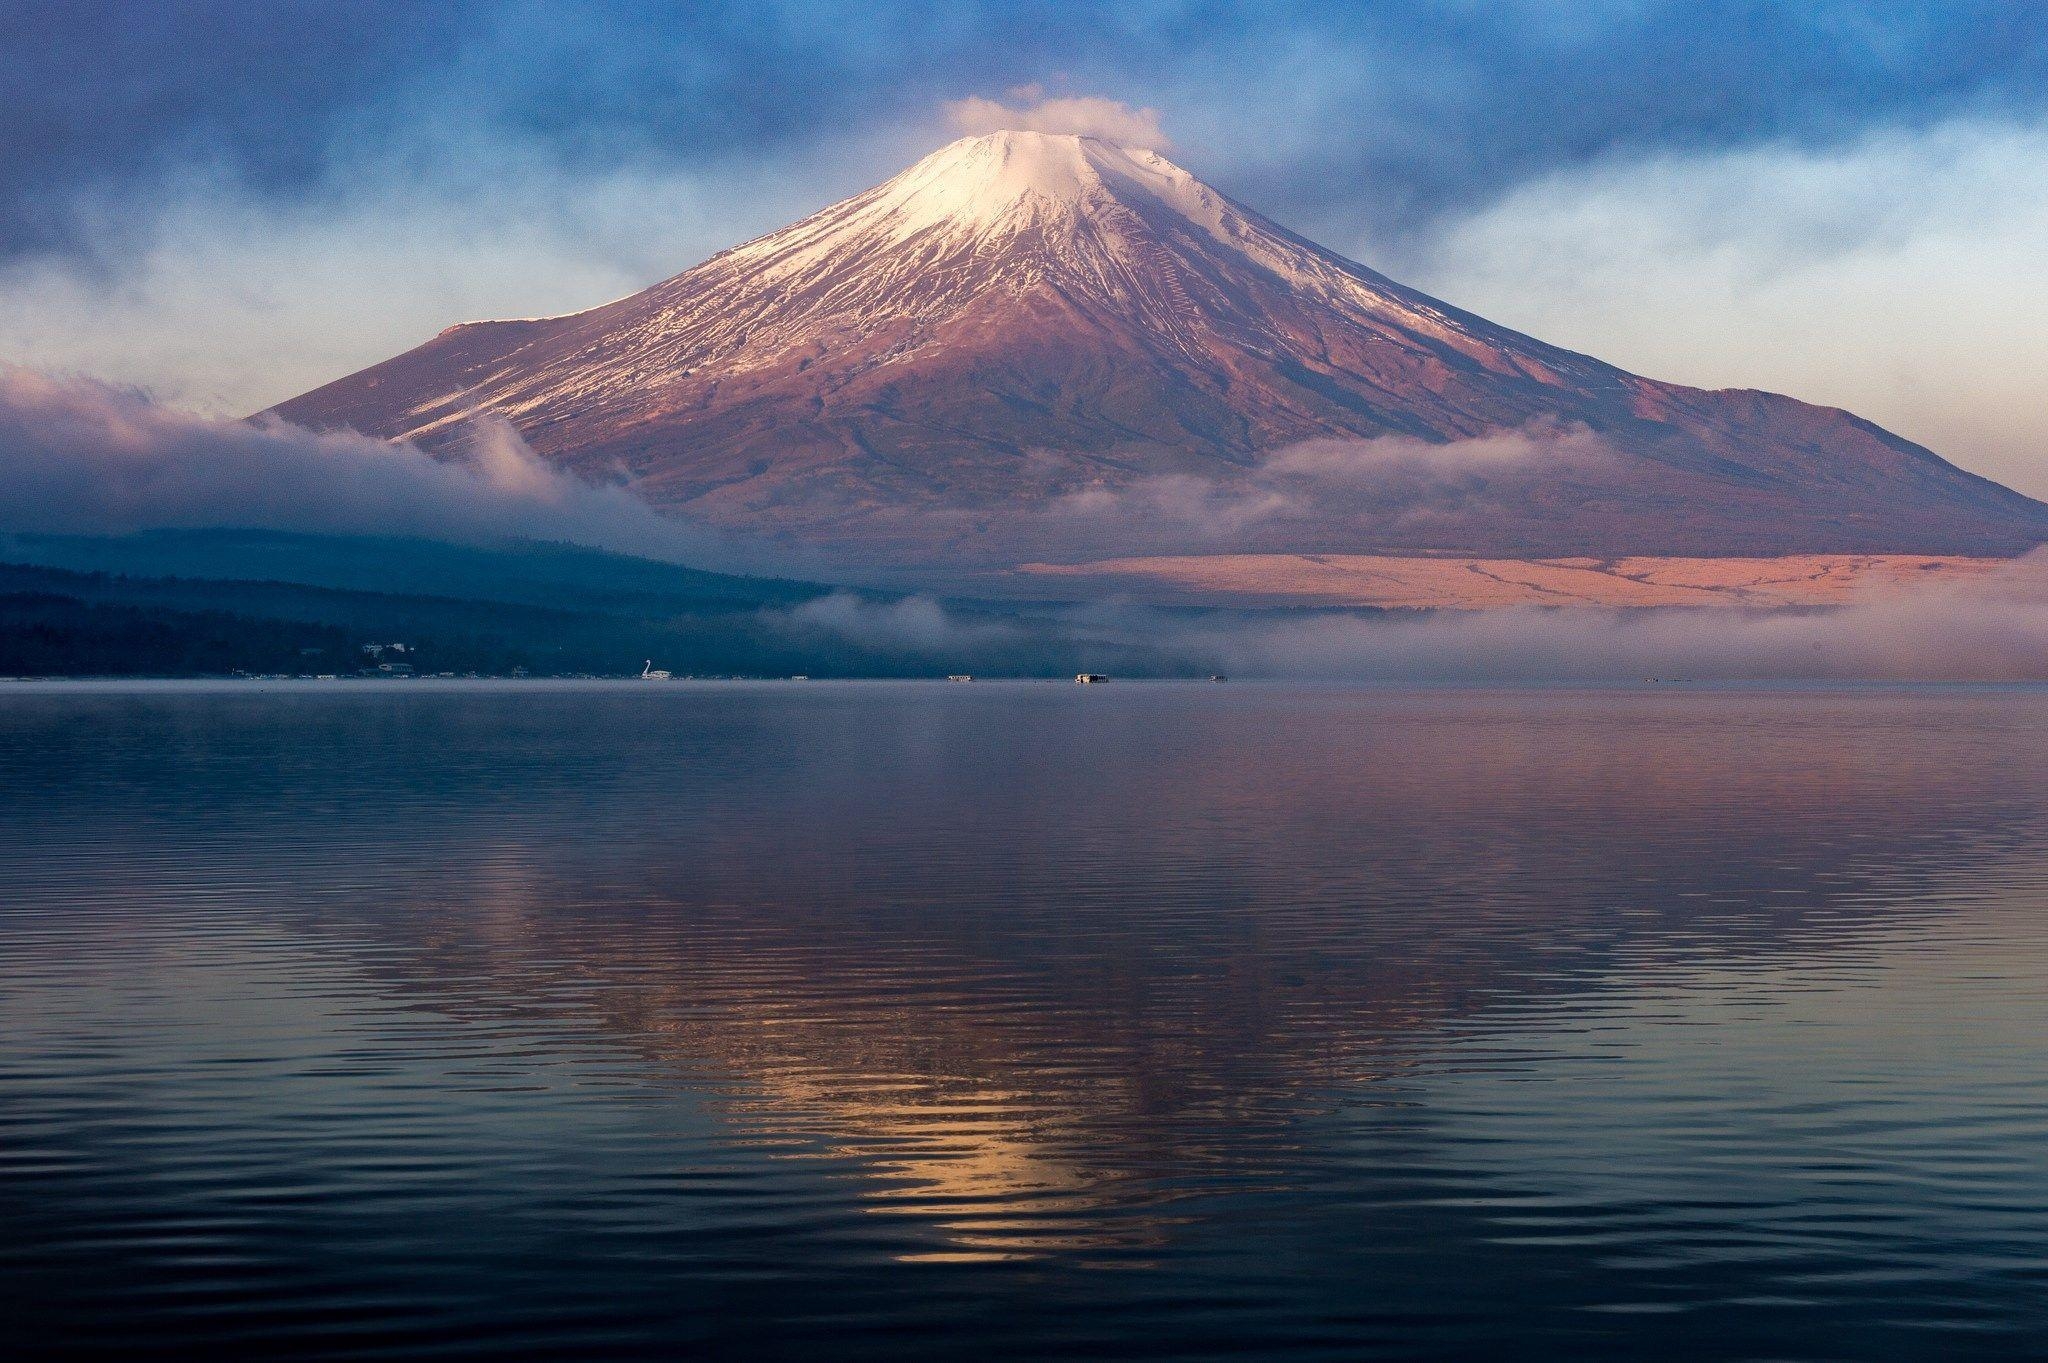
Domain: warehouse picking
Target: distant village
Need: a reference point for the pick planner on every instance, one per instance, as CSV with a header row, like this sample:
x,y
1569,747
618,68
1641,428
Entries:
x,y
386,661
62,623
397,661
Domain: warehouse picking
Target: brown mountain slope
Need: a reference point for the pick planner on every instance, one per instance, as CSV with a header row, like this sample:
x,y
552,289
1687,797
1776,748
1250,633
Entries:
x,y
1034,347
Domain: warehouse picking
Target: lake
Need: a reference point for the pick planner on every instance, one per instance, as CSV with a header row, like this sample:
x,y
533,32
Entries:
x,y
1023,1020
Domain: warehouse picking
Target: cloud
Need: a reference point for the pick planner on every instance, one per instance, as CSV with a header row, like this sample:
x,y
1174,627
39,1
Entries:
x,y
1375,483
1994,629
85,458
1402,461
1032,110
1393,109
1989,629
1208,507
1897,275
230,300
915,624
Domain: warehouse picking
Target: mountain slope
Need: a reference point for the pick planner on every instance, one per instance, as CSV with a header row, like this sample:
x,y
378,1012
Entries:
x,y
1030,346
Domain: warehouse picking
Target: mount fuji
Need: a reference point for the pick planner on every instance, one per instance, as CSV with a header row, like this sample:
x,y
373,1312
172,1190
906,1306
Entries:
x,y
1034,349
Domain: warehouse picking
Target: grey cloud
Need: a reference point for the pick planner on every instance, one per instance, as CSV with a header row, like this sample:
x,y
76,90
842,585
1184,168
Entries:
x,y
1385,481
1990,629
82,457
914,623
1329,111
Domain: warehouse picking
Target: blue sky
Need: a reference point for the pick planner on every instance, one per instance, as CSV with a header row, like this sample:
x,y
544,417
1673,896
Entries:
x,y
228,202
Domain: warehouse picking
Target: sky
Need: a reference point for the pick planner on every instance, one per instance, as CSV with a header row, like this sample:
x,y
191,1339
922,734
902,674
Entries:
x,y
225,203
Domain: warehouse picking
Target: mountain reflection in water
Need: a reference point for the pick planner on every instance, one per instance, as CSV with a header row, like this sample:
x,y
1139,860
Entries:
x,y
893,1019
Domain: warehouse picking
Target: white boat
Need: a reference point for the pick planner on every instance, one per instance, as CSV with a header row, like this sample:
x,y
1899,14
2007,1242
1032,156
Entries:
x,y
649,672
1089,678
961,676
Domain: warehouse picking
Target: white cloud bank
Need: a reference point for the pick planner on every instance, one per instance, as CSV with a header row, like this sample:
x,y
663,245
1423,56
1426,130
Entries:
x,y
1992,629
1031,109
1387,481
85,458
1899,276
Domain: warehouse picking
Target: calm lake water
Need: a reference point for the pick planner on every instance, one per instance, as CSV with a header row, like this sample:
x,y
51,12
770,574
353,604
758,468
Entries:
x,y
1023,1021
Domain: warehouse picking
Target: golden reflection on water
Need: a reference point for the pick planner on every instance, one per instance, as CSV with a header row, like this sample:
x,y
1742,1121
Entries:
x,y
973,1166
1026,1074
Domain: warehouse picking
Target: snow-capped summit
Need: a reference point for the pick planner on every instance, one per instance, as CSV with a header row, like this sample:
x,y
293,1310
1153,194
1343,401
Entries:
x,y
1025,326
982,196
978,183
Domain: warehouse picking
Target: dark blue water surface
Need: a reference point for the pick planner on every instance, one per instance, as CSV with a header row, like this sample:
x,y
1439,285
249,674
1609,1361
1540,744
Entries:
x,y
1006,1021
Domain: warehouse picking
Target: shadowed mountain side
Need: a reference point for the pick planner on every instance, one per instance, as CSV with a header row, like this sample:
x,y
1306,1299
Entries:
x,y
556,576
1010,351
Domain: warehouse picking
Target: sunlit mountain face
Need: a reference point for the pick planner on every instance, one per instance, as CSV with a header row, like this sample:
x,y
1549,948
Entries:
x,y
1033,346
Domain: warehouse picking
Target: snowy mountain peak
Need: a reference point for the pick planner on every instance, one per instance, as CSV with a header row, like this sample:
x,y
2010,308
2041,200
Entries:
x,y
992,187
981,179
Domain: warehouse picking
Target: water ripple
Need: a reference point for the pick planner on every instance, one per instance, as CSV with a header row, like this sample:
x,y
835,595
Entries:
x,y
904,1021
